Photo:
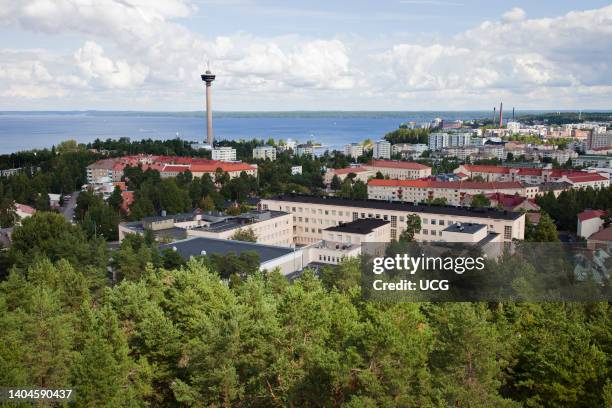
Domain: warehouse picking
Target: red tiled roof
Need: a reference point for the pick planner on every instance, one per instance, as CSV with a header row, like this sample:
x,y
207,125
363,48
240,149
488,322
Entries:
x,y
586,177
457,185
486,169
589,214
348,170
211,166
602,235
25,208
174,168
395,164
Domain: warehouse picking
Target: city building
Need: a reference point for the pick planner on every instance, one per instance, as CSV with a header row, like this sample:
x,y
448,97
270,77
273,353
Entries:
x,y
360,173
224,153
269,227
353,150
589,222
460,139
296,170
24,211
312,215
408,150
313,150
509,202
111,170
401,170
438,141
599,139
530,175
287,260
264,152
346,241
382,150
418,191
601,239
593,161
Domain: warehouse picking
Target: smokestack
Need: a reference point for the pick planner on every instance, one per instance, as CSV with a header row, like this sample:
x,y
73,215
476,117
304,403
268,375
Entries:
x,y
501,114
494,114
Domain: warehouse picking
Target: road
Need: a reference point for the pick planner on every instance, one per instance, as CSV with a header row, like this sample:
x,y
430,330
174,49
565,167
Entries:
x,y
67,210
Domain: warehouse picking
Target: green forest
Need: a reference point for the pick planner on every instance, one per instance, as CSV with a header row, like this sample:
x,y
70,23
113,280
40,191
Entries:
x,y
167,333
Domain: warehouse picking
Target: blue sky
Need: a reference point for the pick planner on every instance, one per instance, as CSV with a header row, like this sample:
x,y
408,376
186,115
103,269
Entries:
x,y
317,55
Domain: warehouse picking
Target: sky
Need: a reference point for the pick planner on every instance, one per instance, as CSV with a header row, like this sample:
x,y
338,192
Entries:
x,y
274,55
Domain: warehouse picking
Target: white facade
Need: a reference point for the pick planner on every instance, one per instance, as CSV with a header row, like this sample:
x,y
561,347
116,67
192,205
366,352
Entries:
x,y
382,150
296,170
407,150
312,216
460,139
354,150
224,153
438,141
264,152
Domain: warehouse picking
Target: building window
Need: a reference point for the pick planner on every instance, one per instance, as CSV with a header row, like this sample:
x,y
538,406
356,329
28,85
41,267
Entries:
x,y
425,221
508,232
441,222
425,232
393,221
433,221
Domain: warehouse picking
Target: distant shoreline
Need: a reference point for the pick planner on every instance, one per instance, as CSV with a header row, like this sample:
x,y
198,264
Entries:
x,y
471,114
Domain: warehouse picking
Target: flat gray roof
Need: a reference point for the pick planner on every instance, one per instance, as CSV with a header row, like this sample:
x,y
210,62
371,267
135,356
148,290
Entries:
x,y
194,247
465,228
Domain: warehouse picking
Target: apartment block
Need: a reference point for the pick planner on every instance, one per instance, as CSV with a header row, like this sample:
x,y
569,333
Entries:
x,y
438,141
312,215
264,152
418,191
529,175
382,150
224,153
353,150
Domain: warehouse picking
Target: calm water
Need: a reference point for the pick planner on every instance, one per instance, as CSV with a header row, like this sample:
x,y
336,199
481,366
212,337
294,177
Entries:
x,y
29,130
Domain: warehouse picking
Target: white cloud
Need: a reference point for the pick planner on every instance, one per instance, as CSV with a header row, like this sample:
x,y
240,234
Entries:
x,y
138,48
530,58
99,69
514,15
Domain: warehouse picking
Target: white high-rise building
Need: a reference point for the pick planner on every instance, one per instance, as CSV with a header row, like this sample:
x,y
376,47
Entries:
x,y
264,152
224,153
460,139
382,150
438,141
353,150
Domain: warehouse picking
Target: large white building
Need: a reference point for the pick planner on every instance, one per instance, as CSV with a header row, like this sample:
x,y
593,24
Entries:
x,y
353,150
224,153
264,152
382,150
312,215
